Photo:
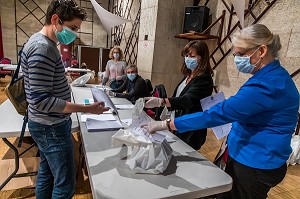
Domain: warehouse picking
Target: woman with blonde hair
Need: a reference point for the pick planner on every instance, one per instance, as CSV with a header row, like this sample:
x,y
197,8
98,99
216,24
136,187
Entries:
x,y
263,114
114,71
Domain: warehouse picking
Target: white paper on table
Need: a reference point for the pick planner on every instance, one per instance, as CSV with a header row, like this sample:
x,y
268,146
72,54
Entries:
x,y
101,87
207,103
124,106
102,117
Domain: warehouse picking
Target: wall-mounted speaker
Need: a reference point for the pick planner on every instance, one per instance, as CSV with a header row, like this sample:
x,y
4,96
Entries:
x,y
196,18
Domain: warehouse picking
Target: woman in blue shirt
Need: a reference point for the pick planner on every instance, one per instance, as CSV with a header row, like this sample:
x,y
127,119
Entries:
x,y
263,114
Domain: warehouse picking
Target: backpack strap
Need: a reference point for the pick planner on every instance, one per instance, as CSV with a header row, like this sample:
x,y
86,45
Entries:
x,y
13,80
16,74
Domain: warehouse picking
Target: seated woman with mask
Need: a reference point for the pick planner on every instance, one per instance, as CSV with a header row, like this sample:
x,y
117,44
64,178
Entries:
x,y
134,85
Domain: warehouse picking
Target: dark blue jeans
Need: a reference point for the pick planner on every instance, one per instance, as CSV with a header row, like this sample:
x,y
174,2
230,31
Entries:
x,y
56,174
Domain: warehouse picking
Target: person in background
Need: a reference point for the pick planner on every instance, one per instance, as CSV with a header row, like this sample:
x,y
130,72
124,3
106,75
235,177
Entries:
x,y
49,99
83,66
114,71
196,84
134,85
74,63
263,114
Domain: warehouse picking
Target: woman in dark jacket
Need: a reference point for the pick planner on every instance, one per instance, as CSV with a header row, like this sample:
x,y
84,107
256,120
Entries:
x,y
196,85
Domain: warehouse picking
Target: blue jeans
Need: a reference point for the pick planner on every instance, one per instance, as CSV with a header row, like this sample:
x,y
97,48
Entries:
x,y
56,174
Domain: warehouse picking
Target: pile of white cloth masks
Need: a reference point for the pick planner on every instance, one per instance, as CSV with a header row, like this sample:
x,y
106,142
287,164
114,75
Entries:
x,y
151,153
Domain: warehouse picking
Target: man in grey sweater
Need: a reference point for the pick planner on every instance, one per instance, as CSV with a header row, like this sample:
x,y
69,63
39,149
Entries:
x,y
49,97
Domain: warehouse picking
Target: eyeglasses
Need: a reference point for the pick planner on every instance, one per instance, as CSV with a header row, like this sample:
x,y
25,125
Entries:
x,y
243,54
73,27
130,72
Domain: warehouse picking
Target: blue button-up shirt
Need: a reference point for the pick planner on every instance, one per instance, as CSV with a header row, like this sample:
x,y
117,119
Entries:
x,y
264,114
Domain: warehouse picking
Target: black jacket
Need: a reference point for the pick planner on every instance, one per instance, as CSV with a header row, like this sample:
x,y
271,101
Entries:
x,y
189,102
134,89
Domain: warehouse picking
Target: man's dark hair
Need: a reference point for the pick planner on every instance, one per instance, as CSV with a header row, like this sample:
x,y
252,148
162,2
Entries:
x,y
67,10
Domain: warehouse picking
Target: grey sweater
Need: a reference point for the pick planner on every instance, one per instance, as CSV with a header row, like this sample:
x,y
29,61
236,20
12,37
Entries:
x,y
46,86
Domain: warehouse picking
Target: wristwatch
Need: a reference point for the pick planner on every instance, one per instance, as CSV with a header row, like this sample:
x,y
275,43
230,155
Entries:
x,y
168,124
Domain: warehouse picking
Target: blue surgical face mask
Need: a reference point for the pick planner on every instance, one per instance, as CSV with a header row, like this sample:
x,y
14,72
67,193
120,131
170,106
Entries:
x,y
191,62
131,76
243,64
66,36
116,55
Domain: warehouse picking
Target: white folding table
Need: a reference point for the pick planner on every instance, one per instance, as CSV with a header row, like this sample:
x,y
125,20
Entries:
x,y
11,125
189,174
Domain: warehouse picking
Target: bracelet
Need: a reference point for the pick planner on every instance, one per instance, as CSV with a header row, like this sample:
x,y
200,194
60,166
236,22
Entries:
x,y
168,124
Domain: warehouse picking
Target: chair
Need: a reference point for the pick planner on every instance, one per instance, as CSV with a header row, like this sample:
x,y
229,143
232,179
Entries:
x,y
149,85
3,72
158,91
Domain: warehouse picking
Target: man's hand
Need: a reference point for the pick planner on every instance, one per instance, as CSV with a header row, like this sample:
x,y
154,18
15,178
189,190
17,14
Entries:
x,y
152,102
151,127
97,108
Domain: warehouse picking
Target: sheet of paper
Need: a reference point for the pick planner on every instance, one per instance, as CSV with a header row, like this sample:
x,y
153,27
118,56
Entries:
x,y
97,125
124,106
163,115
136,128
101,117
207,103
104,88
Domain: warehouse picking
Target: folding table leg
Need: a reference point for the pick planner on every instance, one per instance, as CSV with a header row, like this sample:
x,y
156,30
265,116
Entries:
x,y
17,159
16,162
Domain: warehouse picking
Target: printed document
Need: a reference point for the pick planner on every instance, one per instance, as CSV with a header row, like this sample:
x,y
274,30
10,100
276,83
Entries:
x,y
207,103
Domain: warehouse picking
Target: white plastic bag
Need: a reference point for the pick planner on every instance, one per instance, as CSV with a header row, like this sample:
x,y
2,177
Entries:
x,y
153,159
148,156
295,155
151,153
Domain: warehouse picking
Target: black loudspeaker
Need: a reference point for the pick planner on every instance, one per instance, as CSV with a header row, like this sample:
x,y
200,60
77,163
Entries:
x,y
196,18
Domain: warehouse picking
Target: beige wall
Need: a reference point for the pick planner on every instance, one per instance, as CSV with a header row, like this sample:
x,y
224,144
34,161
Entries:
x,y
281,19
30,25
159,57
